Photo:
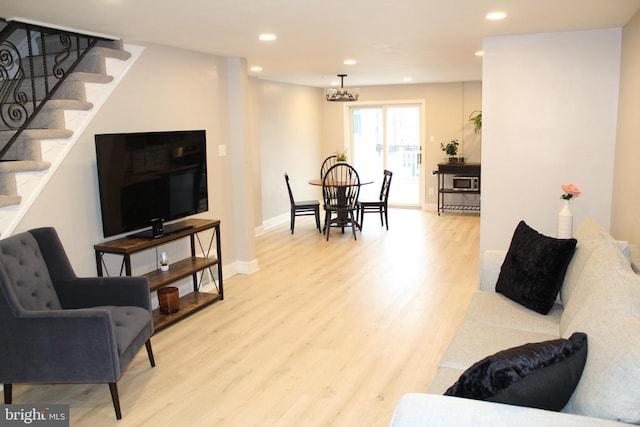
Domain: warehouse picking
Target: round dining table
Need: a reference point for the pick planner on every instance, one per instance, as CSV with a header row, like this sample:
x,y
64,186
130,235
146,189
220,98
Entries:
x,y
342,216
318,182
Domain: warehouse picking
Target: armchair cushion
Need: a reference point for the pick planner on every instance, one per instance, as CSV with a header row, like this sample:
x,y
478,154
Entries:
x,y
27,273
132,327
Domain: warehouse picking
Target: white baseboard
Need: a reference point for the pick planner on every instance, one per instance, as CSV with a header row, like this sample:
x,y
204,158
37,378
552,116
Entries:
x,y
246,267
272,222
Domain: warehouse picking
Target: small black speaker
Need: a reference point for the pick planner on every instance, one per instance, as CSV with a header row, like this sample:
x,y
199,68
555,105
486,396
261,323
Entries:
x,y
157,228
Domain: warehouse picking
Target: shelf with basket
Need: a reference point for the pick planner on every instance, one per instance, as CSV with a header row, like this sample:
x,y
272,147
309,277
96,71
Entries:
x,y
194,266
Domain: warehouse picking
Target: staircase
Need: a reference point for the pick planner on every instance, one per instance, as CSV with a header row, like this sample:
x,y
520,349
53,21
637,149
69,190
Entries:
x,y
51,85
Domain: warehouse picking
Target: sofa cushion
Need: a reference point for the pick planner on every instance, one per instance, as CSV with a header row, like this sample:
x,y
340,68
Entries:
x,y
422,409
606,306
495,309
534,268
443,379
590,235
539,375
490,263
475,340
634,257
593,283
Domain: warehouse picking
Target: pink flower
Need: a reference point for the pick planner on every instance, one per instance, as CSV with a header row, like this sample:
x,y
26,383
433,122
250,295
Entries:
x,y
570,191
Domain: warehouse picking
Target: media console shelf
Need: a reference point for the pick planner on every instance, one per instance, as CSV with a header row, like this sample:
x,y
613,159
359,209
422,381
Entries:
x,y
456,169
190,266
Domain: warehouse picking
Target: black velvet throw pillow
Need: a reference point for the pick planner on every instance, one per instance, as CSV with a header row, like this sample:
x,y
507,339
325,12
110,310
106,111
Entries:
x,y
538,375
534,268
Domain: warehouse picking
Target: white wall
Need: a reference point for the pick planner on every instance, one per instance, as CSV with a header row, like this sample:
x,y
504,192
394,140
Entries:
x,y
625,221
447,110
298,129
549,118
167,89
290,132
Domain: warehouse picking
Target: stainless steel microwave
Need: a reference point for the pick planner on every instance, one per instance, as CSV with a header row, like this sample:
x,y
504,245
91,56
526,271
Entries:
x,y
462,183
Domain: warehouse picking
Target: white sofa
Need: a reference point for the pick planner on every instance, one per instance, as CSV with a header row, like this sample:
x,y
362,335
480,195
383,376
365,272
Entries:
x,y
600,296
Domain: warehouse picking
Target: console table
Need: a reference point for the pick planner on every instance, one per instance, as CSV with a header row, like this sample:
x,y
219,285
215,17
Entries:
x,y
189,266
445,189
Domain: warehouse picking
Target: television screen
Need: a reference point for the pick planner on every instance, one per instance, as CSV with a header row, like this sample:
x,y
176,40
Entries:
x,y
147,176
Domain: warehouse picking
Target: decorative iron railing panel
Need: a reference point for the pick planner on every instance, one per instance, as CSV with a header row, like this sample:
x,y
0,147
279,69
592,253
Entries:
x,y
34,61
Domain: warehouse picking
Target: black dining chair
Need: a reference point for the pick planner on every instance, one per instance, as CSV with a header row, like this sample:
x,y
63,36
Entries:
x,y
340,190
327,163
380,205
305,208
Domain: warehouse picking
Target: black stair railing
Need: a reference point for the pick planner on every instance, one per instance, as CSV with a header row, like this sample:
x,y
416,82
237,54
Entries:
x,y
34,61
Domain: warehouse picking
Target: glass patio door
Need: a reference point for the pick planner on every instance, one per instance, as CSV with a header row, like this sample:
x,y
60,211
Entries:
x,y
388,137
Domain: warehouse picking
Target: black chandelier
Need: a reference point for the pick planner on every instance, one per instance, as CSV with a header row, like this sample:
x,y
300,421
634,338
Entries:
x,y
342,94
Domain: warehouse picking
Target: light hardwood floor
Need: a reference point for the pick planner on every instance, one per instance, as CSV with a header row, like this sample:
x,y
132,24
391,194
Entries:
x,y
325,334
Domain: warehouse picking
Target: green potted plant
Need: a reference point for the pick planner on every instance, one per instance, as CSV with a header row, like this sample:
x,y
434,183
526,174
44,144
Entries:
x,y
451,149
476,119
341,156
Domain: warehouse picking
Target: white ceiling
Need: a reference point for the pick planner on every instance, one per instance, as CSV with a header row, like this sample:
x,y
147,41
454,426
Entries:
x,y
427,40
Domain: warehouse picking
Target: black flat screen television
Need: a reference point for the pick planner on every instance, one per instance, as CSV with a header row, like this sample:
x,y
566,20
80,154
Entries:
x,y
149,176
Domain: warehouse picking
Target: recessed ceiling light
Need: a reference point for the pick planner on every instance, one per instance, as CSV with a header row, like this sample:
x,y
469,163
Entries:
x,y
350,62
256,68
406,79
495,16
480,53
267,37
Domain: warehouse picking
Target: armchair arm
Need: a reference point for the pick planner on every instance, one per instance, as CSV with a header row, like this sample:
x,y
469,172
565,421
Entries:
x,y
85,292
421,409
60,346
490,265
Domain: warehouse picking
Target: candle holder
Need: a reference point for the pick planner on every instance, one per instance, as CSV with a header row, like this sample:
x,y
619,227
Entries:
x,y
169,300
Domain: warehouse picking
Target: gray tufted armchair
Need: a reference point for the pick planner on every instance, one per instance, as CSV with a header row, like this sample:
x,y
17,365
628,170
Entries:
x,y
58,328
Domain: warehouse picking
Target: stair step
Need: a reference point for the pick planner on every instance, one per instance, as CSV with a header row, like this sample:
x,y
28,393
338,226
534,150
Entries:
x,y
42,65
39,84
111,44
10,200
85,77
108,52
68,104
92,63
5,135
52,113
71,95
23,166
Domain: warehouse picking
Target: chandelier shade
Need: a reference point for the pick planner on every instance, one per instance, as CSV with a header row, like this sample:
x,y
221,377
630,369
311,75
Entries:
x,y
342,94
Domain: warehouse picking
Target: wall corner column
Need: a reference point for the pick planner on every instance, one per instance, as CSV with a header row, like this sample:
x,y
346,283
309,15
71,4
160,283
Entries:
x,y
240,158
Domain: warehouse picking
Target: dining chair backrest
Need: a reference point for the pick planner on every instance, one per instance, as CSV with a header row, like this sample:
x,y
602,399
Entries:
x,y
386,183
341,187
327,163
286,178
